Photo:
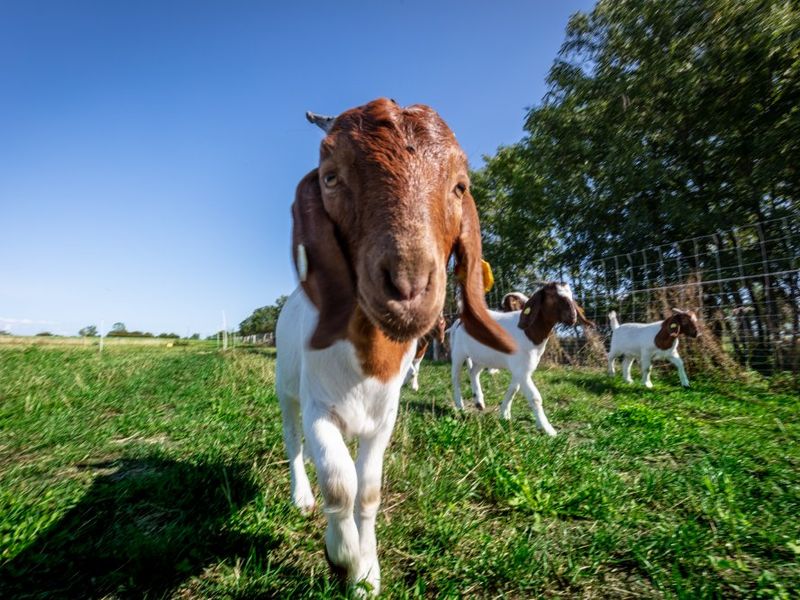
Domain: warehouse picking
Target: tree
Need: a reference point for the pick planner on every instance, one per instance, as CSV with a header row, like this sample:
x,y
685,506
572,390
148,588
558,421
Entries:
x,y
263,319
88,331
118,327
658,125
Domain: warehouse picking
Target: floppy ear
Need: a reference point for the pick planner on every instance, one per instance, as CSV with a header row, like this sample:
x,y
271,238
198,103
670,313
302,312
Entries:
x,y
324,271
582,316
530,311
474,313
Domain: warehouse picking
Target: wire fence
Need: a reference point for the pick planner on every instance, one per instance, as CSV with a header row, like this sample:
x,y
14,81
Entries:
x,y
744,284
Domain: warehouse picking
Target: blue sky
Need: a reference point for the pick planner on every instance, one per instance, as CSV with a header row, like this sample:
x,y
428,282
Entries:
x,y
149,151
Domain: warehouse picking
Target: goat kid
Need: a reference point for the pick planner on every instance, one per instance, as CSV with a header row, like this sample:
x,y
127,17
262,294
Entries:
x,y
513,301
437,333
648,341
373,228
530,328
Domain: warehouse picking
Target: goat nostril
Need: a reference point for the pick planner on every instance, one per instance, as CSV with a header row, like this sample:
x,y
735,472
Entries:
x,y
405,287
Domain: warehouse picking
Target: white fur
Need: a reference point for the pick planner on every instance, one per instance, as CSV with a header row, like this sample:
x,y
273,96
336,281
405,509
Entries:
x,y
412,377
522,364
335,400
637,340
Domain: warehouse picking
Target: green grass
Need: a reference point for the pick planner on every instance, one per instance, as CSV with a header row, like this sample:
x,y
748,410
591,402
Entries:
x,y
159,472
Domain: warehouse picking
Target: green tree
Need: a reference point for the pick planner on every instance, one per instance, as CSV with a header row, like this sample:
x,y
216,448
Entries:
x,y
662,121
264,319
88,331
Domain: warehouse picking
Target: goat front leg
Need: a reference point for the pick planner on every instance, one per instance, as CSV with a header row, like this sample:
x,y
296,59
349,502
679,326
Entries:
x,y
414,372
505,407
646,369
302,496
535,401
475,382
369,468
337,478
678,362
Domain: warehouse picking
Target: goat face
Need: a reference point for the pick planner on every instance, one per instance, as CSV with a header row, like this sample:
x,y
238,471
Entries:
x,y
551,304
686,322
379,219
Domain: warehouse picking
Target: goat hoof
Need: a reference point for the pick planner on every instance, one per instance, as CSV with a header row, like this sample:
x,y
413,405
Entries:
x,y
339,572
480,406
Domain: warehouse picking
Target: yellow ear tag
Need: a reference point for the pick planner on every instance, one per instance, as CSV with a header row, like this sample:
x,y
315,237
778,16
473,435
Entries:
x,y
527,311
673,326
488,276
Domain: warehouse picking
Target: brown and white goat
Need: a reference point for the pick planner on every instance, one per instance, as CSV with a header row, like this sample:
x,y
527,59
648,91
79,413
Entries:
x,y
513,301
435,334
550,305
647,341
374,227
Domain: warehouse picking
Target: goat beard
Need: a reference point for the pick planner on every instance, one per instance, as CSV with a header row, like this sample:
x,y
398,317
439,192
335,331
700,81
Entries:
x,y
401,328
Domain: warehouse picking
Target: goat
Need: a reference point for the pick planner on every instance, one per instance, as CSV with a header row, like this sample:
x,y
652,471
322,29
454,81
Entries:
x,y
373,229
513,301
530,328
647,341
437,333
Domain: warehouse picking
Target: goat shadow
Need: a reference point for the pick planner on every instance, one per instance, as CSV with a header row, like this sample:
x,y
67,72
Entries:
x,y
144,526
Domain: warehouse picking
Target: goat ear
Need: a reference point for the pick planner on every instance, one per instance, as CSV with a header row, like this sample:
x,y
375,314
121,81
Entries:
x,y
474,313
324,271
530,311
582,316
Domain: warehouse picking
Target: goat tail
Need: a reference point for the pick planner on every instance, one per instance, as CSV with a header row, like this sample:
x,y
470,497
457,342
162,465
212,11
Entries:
x,y
612,317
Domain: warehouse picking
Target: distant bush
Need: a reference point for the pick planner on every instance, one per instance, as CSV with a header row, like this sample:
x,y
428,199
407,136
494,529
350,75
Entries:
x,y
128,334
44,333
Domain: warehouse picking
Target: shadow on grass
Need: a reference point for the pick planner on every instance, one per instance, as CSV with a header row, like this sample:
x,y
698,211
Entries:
x,y
144,526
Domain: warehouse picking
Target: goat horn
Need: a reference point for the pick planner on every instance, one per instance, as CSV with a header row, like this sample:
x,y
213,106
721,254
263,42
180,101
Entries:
x,y
322,121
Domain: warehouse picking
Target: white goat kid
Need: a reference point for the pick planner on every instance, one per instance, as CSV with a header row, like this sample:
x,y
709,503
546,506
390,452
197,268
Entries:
x,y
372,238
649,341
530,329
435,334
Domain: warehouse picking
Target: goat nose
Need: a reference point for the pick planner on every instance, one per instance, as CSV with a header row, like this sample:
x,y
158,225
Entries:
x,y
405,286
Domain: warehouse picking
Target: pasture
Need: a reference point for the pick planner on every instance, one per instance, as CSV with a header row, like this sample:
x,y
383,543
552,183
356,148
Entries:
x,y
157,472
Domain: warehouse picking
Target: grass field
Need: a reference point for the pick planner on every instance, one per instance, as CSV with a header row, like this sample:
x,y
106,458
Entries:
x,y
159,472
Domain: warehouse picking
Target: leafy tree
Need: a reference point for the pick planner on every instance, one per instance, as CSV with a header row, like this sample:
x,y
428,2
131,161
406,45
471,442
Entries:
x,y
661,123
263,319
88,331
118,327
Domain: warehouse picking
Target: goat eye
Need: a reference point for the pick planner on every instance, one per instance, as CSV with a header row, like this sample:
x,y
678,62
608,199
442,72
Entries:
x,y
329,179
460,189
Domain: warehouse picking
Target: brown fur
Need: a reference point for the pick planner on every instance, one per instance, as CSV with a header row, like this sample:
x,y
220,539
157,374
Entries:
x,y
380,357
545,309
437,333
379,220
679,323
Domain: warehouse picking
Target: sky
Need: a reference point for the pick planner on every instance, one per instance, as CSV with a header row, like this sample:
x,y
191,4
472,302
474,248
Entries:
x,y
149,151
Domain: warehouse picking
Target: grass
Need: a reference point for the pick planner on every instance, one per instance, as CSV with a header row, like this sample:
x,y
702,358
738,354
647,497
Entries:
x,y
159,472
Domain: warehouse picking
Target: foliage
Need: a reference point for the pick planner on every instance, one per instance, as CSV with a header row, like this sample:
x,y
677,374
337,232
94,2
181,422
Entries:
x,y
88,331
44,334
148,471
663,121
118,327
263,319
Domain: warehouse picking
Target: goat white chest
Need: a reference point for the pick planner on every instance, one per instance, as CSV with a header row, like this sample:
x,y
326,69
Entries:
x,y
333,382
